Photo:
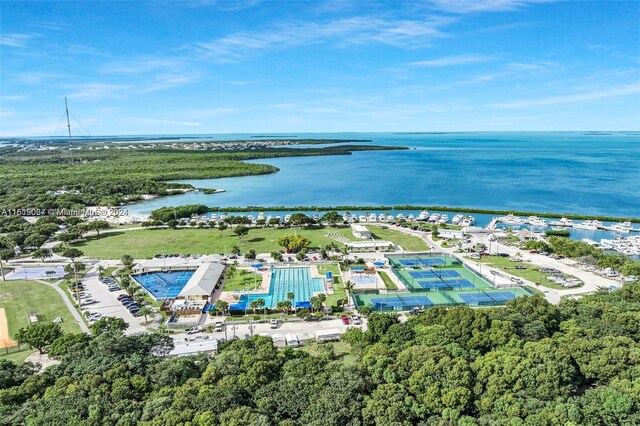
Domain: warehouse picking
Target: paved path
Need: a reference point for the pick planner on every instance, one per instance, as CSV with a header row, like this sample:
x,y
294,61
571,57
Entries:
x,y
69,303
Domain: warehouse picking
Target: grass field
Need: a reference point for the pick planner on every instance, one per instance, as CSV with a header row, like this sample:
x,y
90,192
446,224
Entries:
x,y
242,280
407,242
146,243
388,282
21,297
532,273
338,285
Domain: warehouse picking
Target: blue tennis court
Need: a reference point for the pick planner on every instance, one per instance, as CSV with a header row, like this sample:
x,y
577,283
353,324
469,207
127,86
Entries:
x,y
419,261
475,299
399,302
443,273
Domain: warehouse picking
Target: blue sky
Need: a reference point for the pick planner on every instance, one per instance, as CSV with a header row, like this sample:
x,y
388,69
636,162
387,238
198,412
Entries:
x,y
266,66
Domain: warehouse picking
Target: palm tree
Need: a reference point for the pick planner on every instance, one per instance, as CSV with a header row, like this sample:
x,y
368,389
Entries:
x,y
221,306
348,286
285,305
146,311
254,305
100,270
291,296
260,303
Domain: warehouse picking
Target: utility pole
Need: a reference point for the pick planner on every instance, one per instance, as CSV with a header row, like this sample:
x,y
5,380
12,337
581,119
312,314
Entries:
x,y
66,109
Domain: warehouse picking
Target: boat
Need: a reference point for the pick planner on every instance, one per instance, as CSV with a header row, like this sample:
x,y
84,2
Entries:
x,y
316,216
563,223
511,220
622,227
457,219
597,224
260,215
390,218
400,216
411,218
536,222
468,221
382,218
223,217
433,217
586,224
214,217
279,218
287,217
372,217
251,218
443,219
423,216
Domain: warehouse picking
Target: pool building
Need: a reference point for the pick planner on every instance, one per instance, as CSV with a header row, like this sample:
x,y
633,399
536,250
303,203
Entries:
x,y
435,280
180,283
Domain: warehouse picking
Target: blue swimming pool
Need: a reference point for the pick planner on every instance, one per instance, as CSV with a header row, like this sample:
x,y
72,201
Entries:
x,y
285,280
163,285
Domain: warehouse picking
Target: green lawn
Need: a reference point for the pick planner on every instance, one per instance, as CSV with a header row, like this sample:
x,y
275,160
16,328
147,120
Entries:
x,y
338,285
146,243
532,273
407,242
242,280
21,297
388,282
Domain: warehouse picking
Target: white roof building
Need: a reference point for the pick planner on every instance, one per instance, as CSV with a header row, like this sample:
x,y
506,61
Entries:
x,y
203,282
360,231
174,263
370,246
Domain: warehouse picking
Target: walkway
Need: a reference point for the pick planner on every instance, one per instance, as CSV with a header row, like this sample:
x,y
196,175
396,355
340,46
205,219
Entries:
x,y
69,303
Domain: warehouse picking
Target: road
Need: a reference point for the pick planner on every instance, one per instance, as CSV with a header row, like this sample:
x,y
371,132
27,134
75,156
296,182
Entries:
x,y
70,306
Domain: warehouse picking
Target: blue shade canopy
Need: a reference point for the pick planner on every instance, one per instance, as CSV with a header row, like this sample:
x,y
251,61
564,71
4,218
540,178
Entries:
x,y
238,307
303,305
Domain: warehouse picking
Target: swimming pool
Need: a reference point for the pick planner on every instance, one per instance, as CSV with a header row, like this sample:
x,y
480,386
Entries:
x,y
163,285
283,281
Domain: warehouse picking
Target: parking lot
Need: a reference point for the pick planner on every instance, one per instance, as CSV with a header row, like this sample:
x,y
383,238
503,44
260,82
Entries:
x,y
108,304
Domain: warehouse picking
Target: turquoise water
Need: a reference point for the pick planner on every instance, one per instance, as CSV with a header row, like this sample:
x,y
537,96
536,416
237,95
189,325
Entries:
x,y
565,172
285,280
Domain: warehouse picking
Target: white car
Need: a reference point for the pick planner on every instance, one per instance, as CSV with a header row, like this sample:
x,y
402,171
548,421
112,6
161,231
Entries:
x,y
218,326
273,323
355,320
193,330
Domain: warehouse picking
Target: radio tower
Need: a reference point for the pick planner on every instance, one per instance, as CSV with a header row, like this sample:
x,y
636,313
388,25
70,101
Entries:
x,y
66,108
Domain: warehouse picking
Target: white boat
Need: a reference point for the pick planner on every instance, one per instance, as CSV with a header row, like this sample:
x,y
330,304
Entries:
x,y
260,215
433,217
511,220
468,221
536,222
457,219
400,216
214,217
563,222
597,224
390,218
411,218
443,218
623,227
251,218
372,217
287,217
223,217
423,216
362,218
586,224
279,218
382,218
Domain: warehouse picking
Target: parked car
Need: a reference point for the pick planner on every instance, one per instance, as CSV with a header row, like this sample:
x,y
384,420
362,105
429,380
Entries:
x,y
356,320
273,323
193,330
123,296
88,301
128,303
218,326
115,288
345,320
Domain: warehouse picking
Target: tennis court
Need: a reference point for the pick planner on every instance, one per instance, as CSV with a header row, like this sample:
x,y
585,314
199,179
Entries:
x,y
163,285
450,284
400,302
430,273
486,298
419,261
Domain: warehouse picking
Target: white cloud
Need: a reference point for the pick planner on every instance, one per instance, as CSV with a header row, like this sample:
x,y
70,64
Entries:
x,y
625,90
16,39
452,60
474,6
345,31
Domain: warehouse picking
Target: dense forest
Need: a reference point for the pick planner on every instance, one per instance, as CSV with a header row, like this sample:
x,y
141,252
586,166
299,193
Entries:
x,y
530,363
115,176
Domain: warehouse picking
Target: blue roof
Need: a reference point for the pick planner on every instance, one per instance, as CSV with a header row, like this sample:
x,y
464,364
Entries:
x,y
303,304
238,307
